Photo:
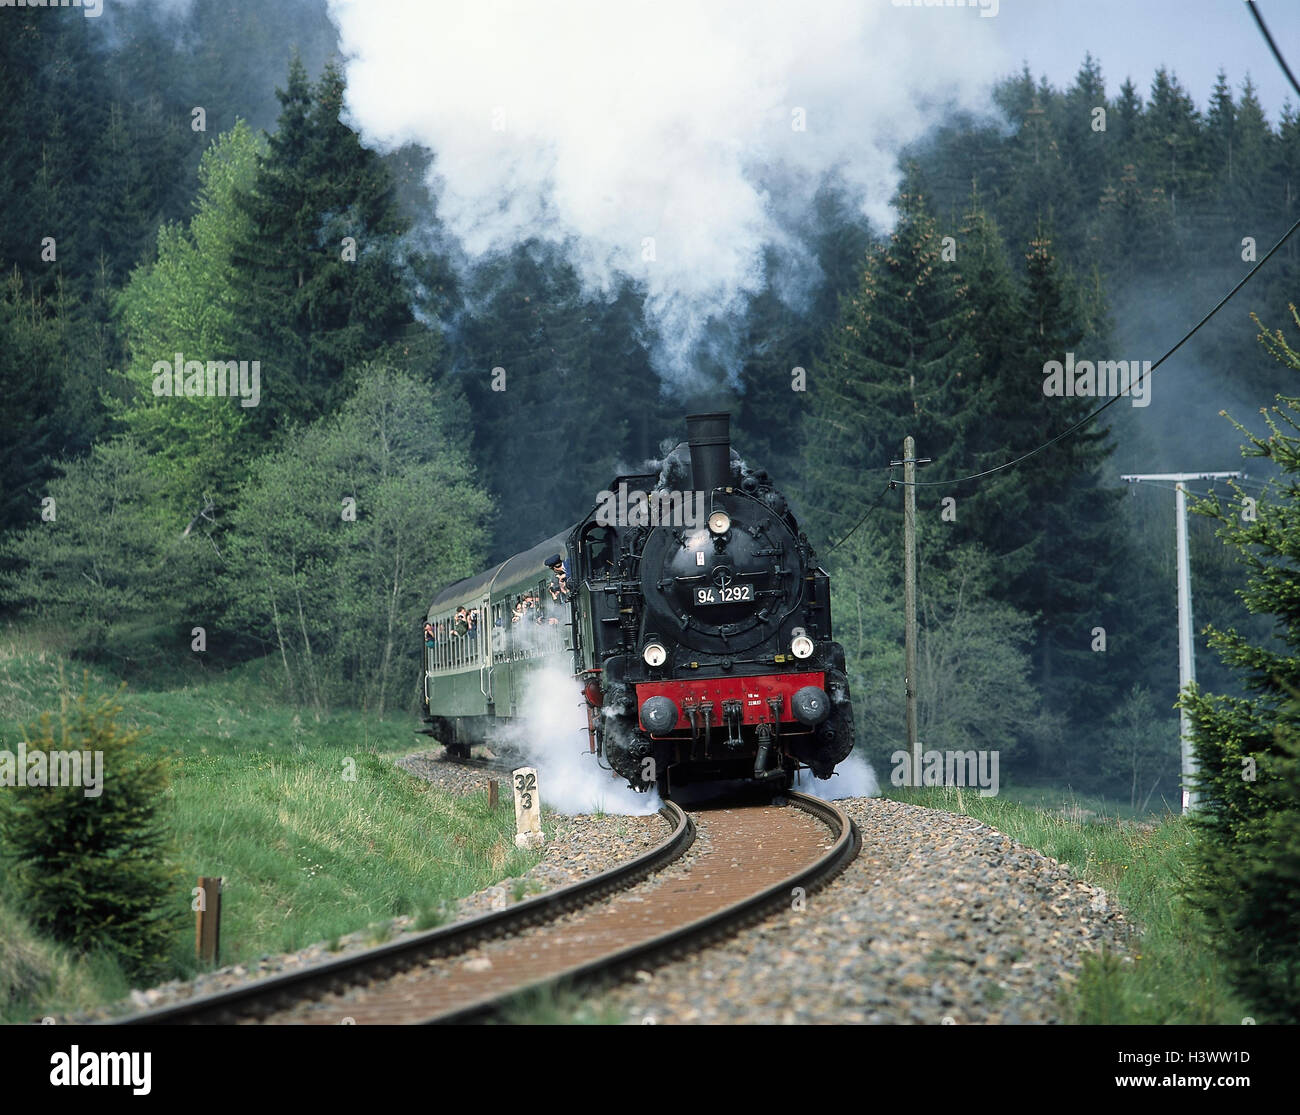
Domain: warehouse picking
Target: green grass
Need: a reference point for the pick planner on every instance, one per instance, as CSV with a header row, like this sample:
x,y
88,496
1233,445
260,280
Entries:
x,y
313,829
1172,975
34,972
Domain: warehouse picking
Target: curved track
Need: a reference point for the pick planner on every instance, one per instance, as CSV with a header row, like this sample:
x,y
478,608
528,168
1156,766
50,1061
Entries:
x,y
262,998
759,858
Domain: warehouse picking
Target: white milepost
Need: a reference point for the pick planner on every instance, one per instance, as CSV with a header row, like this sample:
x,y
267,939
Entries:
x,y
528,809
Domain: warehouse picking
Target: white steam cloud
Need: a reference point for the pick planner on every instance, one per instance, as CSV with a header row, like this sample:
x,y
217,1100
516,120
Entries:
x,y
853,778
553,736
673,143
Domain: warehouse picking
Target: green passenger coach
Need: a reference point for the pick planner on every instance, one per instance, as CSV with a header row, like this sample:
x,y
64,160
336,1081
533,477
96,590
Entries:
x,y
475,675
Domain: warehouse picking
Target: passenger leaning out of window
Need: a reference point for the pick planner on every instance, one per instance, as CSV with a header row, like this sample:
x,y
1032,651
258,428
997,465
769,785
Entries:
x,y
559,586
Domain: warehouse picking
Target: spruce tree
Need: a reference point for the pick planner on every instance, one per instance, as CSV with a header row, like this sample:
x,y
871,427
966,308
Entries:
x,y
1221,126
321,289
1069,513
900,359
187,301
1246,856
1171,147
1252,187
1091,154
92,861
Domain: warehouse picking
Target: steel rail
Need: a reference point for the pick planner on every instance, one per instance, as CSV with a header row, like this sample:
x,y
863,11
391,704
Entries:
x,y
691,936
275,993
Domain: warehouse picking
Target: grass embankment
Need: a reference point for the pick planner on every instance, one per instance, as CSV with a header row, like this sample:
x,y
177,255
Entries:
x,y
313,829
1172,975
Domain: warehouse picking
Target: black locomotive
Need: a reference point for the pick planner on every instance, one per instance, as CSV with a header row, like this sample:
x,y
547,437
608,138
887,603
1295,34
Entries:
x,y
694,615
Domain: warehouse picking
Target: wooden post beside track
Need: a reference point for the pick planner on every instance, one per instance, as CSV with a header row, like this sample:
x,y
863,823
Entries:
x,y
207,923
909,601
493,791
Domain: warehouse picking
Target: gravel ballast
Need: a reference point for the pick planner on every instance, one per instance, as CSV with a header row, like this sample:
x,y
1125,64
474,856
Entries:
x,y
940,920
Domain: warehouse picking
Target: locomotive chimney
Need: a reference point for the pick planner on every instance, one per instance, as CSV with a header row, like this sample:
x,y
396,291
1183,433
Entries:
x,y
709,436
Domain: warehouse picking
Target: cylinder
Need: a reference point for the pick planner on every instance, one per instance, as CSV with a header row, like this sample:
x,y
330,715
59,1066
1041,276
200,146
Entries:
x,y
709,437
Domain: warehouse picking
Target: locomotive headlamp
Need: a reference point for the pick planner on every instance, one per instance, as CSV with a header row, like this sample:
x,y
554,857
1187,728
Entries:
x,y
719,522
654,654
800,645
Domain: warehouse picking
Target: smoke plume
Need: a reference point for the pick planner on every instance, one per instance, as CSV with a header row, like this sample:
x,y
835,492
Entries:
x,y
675,145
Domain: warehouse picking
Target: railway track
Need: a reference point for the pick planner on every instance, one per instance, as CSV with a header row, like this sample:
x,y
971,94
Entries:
x,y
758,857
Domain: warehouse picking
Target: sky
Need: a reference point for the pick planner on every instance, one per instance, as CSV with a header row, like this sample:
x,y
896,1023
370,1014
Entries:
x,y
1131,38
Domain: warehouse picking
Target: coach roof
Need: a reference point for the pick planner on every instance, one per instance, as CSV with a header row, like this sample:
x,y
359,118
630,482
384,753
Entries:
x,y
515,572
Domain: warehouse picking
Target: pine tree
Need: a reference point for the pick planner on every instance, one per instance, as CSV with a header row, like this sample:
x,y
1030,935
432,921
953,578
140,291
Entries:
x,y
1068,516
1246,878
899,360
93,868
309,310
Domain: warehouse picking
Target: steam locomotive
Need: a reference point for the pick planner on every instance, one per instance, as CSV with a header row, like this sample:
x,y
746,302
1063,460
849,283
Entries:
x,y
690,609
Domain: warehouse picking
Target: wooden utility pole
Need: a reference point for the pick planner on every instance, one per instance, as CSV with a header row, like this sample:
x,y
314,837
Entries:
x,y
909,601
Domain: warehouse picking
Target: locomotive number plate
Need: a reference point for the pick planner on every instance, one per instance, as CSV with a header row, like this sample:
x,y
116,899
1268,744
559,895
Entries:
x,y
727,595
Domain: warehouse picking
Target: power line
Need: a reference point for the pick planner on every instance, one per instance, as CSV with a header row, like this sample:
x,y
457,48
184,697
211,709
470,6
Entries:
x,y
1111,402
875,503
1268,38
1259,20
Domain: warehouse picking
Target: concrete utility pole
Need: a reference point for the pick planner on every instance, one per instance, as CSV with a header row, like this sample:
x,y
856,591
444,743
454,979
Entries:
x,y
1186,645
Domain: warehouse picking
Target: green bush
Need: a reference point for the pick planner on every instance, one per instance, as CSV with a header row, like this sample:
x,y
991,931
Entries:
x,y
92,870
